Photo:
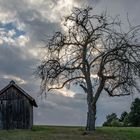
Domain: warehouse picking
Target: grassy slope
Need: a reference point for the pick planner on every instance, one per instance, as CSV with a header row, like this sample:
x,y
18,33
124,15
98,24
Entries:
x,y
71,133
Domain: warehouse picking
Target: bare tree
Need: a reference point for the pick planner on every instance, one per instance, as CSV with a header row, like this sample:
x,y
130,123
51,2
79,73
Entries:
x,y
94,53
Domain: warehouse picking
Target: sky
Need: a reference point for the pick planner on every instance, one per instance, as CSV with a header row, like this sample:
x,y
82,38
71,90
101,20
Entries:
x,y
24,27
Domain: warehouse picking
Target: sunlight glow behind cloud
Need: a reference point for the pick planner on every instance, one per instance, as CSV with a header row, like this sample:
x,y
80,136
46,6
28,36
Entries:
x,y
66,92
16,78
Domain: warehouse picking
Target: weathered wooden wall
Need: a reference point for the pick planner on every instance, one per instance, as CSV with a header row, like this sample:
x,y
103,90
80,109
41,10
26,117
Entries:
x,y
16,112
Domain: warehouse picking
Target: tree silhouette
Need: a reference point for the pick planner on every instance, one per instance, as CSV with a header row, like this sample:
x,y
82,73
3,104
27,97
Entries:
x,y
134,115
95,53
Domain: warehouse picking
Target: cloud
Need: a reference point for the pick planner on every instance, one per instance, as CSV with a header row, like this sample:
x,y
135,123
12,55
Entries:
x,y
65,92
16,78
22,40
61,110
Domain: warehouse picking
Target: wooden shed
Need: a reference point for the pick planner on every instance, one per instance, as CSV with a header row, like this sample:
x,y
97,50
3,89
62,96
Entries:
x,y
16,108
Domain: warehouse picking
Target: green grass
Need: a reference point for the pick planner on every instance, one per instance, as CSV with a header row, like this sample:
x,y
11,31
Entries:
x,y
71,133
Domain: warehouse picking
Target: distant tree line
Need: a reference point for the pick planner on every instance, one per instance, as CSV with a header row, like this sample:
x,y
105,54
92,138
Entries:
x,y
126,119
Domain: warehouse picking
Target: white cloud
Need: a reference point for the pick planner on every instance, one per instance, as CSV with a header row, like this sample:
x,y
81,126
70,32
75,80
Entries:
x,y
52,10
16,78
65,92
6,16
11,39
1,41
11,33
22,40
62,8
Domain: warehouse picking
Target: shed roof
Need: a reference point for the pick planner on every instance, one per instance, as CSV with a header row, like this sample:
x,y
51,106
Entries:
x,y
12,83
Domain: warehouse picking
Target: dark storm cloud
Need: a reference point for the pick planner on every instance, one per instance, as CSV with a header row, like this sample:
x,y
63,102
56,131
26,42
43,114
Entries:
x,y
14,60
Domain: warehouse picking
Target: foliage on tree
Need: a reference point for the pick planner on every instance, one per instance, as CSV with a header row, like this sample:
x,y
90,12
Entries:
x,y
94,53
123,115
110,119
113,120
126,119
116,123
134,115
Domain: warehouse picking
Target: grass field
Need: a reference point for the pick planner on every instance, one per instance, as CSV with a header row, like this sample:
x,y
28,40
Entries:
x,y
71,133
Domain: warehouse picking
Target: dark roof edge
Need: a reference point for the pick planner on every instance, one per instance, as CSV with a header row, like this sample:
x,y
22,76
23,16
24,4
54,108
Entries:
x,y
12,83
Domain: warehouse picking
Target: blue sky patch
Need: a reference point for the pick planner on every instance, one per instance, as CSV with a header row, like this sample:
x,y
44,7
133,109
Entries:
x,y
11,26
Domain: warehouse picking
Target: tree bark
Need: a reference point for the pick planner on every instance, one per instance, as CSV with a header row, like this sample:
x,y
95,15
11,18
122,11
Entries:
x,y
91,118
91,114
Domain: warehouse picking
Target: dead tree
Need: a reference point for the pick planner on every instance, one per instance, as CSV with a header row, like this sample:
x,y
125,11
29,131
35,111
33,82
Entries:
x,y
95,53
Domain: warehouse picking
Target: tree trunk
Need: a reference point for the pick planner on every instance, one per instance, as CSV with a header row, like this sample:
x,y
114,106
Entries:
x,y
91,115
91,118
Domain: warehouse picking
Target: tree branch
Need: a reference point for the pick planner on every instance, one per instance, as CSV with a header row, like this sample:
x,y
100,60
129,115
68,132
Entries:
x,y
64,83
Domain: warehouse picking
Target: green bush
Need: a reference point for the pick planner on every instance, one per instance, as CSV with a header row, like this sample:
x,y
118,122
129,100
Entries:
x,y
116,123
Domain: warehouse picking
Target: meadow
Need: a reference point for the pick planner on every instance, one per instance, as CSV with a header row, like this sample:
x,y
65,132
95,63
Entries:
x,y
71,133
